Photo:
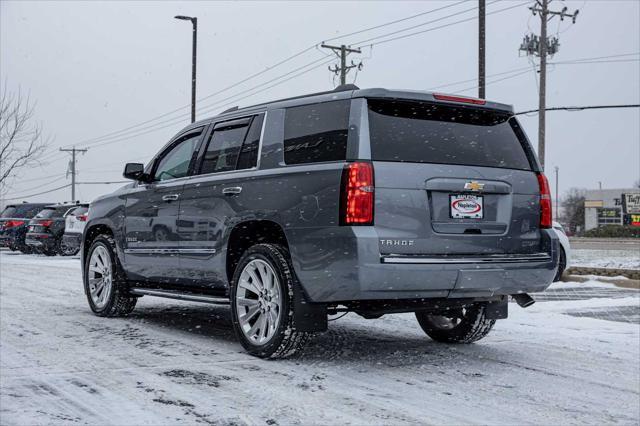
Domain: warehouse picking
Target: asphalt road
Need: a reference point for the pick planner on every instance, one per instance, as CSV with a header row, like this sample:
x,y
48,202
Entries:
x,y
571,358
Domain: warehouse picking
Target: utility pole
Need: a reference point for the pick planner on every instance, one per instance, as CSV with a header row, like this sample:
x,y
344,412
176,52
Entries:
x,y
543,46
342,51
481,48
194,53
72,168
557,192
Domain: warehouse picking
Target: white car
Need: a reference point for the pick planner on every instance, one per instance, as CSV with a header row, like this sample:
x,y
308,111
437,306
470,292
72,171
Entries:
x,y
75,222
565,250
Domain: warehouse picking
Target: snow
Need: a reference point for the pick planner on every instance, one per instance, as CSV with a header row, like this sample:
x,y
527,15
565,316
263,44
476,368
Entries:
x,y
179,362
596,258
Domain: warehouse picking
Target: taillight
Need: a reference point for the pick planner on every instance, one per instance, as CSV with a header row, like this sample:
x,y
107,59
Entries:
x,y
82,217
546,218
357,194
45,223
13,223
463,99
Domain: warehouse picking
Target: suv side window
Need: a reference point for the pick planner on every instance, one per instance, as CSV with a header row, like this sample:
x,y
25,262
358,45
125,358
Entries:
x,y
175,162
248,157
233,145
316,133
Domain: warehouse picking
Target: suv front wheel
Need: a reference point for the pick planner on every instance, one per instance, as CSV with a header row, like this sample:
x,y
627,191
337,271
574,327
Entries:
x,y
262,303
464,325
104,284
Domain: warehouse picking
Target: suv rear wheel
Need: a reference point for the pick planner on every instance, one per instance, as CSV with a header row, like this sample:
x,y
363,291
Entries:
x,y
104,284
262,303
465,325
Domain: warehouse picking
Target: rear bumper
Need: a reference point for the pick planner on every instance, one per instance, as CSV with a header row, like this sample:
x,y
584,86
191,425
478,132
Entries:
x,y
40,241
355,270
11,238
72,240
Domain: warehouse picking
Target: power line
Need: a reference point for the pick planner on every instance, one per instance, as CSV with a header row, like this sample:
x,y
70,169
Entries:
x,y
39,193
104,183
567,62
396,21
581,108
175,121
269,68
365,42
121,132
217,104
439,27
40,186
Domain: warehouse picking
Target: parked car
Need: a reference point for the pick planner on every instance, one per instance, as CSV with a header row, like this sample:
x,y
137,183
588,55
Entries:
x,y
14,220
46,229
565,250
370,201
74,225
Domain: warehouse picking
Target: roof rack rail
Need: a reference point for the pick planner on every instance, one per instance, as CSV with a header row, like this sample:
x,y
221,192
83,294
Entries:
x,y
345,87
233,108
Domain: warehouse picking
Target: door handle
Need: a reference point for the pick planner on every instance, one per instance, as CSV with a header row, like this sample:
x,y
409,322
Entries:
x,y
170,197
232,190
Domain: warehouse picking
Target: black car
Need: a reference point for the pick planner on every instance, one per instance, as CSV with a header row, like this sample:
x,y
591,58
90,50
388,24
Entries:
x,y
46,229
14,220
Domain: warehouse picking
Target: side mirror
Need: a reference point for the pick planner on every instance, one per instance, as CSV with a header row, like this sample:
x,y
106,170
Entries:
x,y
134,171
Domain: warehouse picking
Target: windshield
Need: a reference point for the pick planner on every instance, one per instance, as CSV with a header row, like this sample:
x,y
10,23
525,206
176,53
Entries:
x,y
421,132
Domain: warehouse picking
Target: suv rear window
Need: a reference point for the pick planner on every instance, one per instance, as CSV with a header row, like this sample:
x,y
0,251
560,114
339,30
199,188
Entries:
x,y
422,132
26,211
316,133
50,212
78,211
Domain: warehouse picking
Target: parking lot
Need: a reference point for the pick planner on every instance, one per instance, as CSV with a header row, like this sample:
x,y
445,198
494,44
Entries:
x,y
571,358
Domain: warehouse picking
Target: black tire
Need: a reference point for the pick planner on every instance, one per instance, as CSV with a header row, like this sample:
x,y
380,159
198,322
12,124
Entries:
x,y
51,251
65,250
562,265
26,249
286,341
467,325
119,302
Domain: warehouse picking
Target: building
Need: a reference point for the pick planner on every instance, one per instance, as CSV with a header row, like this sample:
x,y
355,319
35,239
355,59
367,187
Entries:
x,y
611,207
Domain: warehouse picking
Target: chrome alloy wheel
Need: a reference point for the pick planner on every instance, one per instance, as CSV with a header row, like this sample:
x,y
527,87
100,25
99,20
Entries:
x,y
100,276
258,301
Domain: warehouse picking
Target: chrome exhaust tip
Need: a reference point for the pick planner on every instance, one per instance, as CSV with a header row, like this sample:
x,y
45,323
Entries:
x,y
523,300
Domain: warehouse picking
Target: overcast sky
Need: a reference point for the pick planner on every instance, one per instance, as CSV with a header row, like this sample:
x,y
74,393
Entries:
x,y
99,67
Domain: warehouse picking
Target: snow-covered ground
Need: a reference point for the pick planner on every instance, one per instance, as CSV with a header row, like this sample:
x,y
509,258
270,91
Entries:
x,y
619,259
170,362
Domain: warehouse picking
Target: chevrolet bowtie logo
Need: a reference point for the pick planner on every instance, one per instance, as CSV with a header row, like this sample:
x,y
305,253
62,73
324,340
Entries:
x,y
474,186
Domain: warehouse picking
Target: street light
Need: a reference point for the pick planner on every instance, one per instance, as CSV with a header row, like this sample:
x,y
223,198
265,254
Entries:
x,y
194,21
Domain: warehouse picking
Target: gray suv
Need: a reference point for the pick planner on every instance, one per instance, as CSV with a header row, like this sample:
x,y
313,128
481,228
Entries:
x,y
370,201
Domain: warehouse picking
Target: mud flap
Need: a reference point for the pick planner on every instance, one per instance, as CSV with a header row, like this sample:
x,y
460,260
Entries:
x,y
498,309
308,317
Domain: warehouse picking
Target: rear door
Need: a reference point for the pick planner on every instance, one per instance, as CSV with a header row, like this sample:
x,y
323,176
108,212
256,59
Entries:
x,y
452,180
215,196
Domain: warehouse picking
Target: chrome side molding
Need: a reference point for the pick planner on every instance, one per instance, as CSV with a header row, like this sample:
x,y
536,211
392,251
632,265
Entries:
x,y
448,260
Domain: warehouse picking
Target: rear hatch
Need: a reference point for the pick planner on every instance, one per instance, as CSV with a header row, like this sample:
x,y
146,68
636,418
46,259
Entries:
x,y
76,220
15,216
452,180
46,218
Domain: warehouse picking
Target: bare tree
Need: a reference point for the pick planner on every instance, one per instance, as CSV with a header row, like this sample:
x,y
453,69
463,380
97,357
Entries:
x,y
573,206
21,139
